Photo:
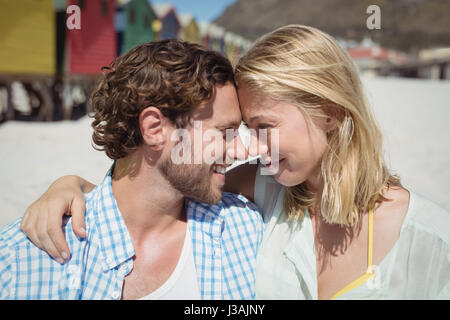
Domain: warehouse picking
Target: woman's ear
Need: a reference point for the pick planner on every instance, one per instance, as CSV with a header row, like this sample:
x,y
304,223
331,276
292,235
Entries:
x,y
333,115
330,124
151,123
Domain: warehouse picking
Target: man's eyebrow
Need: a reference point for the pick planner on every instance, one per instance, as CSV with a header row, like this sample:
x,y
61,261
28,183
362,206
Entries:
x,y
254,118
233,124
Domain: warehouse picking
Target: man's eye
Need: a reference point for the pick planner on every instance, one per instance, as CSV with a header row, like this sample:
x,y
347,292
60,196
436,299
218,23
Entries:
x,y
263,126
230,132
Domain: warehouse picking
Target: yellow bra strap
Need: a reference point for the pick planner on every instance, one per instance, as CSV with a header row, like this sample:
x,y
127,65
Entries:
x,y
353,285
369,273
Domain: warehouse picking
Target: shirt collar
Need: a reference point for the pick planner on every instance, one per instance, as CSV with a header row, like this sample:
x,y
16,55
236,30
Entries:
x,y
114,237
199,210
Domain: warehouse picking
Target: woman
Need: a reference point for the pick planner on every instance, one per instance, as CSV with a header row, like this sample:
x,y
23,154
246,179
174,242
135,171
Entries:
x,y
333,211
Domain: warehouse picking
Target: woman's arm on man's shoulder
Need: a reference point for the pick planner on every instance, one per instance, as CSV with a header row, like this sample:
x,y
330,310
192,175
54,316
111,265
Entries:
x,y
43,219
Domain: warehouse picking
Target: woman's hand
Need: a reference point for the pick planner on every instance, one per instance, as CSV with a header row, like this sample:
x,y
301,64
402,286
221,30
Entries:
x,y
42,222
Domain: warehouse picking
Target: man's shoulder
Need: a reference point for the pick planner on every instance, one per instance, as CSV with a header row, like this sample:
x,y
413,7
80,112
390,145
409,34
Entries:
x,y
14,242
230,205
27,272
93,196
241,210
19,260
96,200
238,202
12,236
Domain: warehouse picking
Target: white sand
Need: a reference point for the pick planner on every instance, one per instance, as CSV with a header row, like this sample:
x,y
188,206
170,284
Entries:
x,y
413,114
35,154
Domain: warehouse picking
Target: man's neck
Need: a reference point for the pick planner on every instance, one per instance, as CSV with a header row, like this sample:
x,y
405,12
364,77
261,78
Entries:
x,y
146,200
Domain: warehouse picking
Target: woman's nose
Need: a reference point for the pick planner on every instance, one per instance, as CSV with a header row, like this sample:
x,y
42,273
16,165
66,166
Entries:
x,y
256,147
237,150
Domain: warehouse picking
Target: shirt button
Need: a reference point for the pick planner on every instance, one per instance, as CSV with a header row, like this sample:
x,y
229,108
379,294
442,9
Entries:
x,y
115,295
108,260
216,252
216,241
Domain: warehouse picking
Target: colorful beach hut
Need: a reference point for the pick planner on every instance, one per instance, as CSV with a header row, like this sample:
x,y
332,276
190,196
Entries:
x,y
94,44
190,30
203,27
217,35
27,37
213,36
170,24
27,55
135,24
61,33
235,46
232,49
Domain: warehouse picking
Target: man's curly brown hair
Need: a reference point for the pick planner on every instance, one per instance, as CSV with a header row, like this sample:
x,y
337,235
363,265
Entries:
x,y
172,75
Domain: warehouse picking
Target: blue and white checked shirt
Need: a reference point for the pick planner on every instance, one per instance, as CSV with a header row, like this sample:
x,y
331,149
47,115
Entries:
x,y
225,237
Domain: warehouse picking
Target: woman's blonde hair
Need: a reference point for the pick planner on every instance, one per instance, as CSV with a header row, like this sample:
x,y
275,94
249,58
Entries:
x,y
307,67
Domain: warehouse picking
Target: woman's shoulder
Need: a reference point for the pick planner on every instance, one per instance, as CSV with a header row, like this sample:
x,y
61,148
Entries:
x,y
408,214
428,216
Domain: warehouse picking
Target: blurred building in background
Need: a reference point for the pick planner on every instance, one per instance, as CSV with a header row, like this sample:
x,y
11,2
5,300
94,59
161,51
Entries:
x,y
27,37
94,45
28,57
47,71
216,37
170,23
373,59
189,28
370,57
235,46
435,62
135,24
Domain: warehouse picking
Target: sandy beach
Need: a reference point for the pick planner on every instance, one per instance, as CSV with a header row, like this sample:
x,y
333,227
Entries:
x,y
413,115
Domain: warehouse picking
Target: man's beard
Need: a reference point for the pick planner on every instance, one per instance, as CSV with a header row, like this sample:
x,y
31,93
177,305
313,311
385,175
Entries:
x,y
192,180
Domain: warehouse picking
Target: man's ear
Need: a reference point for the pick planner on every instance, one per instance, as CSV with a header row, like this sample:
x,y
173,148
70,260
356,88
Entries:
x,y
151,123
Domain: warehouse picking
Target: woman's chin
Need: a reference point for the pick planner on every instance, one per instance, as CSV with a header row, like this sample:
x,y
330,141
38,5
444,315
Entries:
x,y
281,174
288,179
273,168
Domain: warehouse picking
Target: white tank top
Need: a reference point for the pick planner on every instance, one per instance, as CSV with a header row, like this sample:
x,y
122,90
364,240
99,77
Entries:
x,y
182,283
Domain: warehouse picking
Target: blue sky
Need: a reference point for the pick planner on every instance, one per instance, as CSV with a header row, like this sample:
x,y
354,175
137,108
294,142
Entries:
x,y
202,10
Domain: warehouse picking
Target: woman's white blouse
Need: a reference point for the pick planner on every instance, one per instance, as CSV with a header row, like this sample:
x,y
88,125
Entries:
x,y
417,267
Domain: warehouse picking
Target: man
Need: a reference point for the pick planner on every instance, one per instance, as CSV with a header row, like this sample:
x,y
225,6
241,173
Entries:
x,y
156,228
